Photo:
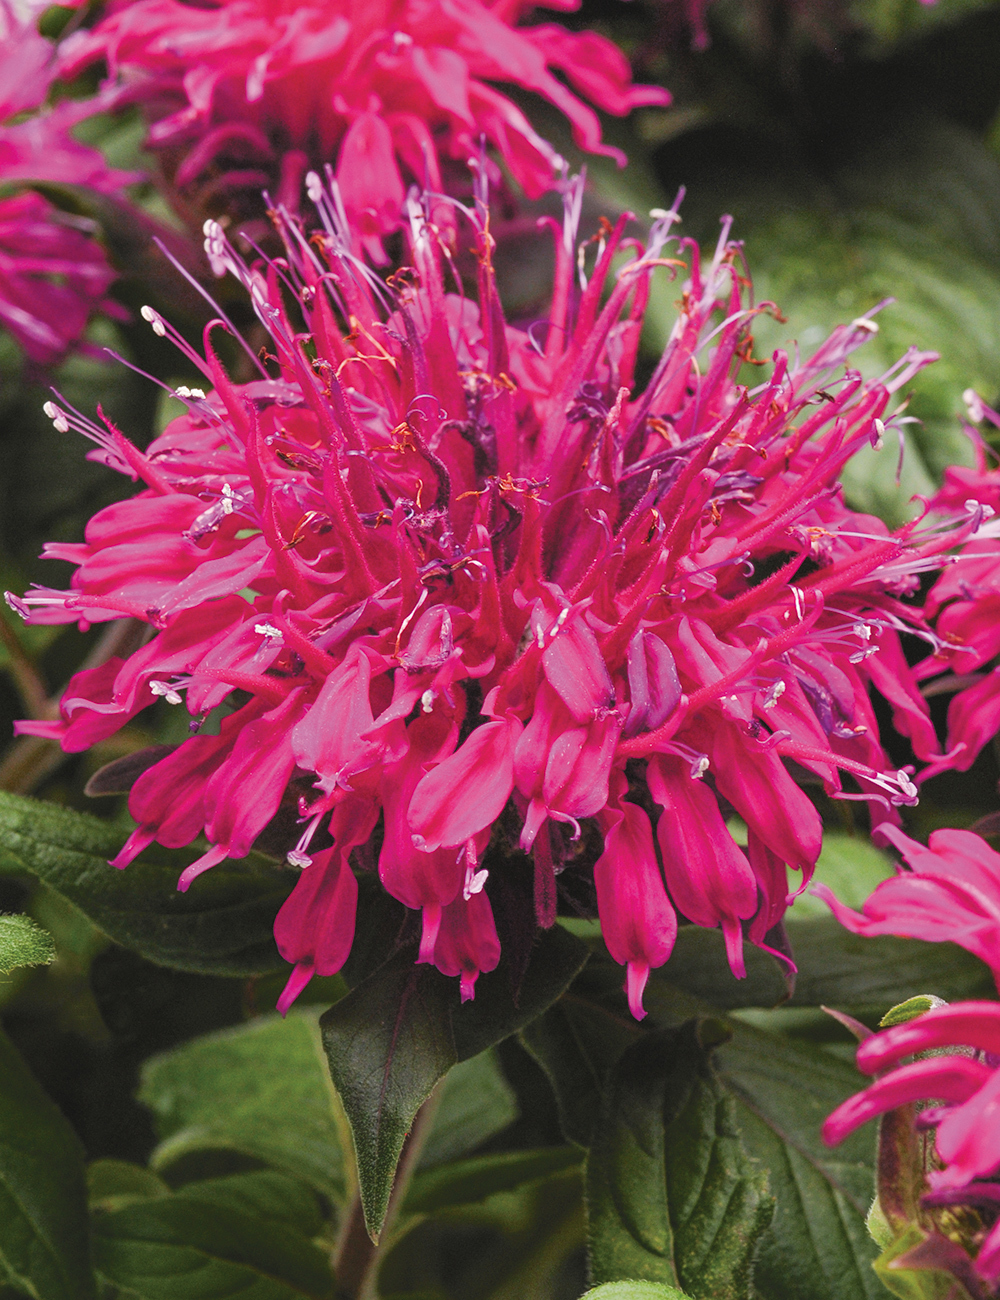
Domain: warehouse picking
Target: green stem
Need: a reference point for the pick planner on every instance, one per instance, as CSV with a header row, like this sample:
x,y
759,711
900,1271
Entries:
x,y
24,673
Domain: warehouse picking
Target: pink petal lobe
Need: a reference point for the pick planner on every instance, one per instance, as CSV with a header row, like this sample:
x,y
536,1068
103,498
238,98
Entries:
x,y
467,791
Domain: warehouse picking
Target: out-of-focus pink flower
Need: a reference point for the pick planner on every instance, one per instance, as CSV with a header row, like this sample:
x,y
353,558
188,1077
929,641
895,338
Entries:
x,y
965,1090
247,93
949,893
471,578
53,273
964,606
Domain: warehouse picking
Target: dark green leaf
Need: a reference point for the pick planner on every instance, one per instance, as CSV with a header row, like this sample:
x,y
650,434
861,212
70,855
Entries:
x,y
401,1029
634,1291
889,21
23,942
476,1103
840,969
183,1248
817,1247
672,1196
266,1194
114,1183
43,1200
221,926
465,1181
698,965
576,1042
262,1090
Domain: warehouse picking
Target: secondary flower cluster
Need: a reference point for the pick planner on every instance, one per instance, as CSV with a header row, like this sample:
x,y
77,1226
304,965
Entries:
x,y
244,95
53,274
950,893
965,605
443,577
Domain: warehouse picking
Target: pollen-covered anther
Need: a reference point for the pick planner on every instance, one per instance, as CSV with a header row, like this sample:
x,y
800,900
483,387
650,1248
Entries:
x,y
57,416
155,320
166,691
774,693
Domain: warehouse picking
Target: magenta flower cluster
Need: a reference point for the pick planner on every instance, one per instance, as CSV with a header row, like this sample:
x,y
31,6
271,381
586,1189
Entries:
x,y
463,586
248,94
53,273
949,892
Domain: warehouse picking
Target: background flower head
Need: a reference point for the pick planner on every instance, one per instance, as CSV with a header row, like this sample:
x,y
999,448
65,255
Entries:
x,y
53,273
247,94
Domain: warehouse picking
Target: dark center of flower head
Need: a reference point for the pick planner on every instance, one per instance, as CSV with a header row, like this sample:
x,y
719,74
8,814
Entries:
x,y
482,593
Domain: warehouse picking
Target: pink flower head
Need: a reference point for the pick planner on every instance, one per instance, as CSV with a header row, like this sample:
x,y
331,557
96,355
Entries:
x,y
950,892
964,606
53,274
965,1090
472,581
242,94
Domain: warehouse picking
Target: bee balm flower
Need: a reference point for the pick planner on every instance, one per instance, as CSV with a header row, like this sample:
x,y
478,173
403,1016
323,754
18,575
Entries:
x,y
470,586
963,1086
53,274
244,94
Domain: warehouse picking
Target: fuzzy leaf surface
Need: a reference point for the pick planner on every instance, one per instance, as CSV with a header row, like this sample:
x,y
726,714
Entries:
x,y
261,1089
634,1291
190,1247
817,1247
672,1195
221,926
402,1029
23,942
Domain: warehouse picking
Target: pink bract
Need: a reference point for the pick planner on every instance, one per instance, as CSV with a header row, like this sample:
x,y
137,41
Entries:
x,y
246,94
472,583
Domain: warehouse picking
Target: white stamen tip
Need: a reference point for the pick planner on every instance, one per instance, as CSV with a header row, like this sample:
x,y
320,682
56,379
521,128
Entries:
x,y
474,882
266,629
295,858
57,416
165,690
775,693
974,405
427,702
153,317
863,323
